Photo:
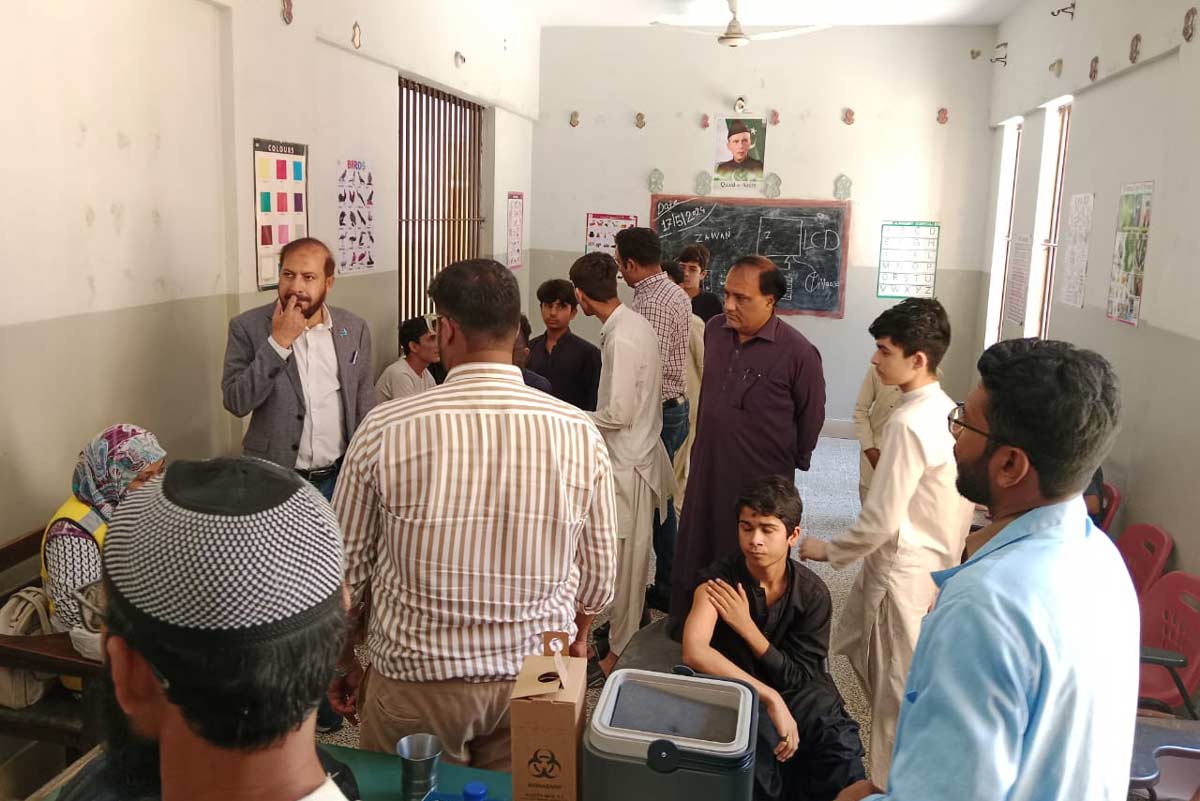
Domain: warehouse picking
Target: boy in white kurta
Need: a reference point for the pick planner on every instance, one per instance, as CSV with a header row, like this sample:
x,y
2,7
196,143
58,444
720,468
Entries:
x,y
912,523
874,406
629,416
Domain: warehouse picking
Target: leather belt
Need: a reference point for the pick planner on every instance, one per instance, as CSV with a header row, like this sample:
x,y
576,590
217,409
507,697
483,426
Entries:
x,y
673,402
318,474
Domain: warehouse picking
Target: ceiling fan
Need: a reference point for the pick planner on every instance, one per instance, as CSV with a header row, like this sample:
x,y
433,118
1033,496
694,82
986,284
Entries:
x,y
734,36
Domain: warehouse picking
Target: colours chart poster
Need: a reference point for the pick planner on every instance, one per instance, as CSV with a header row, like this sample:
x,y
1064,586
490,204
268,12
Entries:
x,y
356,217
602,231
280,203
908,254
1129,253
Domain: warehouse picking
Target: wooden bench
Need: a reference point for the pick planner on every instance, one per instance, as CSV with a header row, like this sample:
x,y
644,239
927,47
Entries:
x,y
58,717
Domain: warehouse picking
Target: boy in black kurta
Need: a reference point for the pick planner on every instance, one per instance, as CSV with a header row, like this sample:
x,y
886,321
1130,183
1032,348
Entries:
x,y
762,617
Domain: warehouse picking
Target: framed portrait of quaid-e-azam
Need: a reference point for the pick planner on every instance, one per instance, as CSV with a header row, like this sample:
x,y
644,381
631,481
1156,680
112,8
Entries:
x,y
740,151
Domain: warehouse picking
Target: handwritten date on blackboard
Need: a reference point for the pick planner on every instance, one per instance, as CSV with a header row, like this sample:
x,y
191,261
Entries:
x,y
806,239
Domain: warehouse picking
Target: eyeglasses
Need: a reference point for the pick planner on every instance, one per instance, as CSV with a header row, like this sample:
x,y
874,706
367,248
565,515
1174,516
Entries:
x,y
955,422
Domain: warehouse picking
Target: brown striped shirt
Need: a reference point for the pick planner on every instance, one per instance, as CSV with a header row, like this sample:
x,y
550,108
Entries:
x,y
481,513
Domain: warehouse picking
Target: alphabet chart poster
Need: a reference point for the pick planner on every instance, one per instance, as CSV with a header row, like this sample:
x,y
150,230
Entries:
x,y
908,254
280,203
602,228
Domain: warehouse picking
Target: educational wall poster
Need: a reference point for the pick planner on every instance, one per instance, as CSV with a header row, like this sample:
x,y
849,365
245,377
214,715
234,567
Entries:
x,y
516,227
1016,287
1075,249
356,217
1129,253
741,149
602,231
908,253
280,203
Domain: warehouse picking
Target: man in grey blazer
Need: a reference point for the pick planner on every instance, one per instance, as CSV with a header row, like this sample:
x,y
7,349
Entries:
x,y
301,369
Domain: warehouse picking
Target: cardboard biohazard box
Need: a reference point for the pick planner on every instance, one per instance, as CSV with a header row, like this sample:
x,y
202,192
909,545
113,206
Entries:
x,y
547,715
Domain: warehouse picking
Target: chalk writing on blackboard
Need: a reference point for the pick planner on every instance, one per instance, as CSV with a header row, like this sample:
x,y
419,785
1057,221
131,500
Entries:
x,y
806,239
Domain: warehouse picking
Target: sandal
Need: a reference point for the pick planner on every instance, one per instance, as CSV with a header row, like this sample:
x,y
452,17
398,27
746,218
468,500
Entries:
x,y
595,674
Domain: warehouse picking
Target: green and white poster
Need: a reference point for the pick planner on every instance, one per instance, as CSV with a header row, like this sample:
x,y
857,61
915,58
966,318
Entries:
x,y
908,253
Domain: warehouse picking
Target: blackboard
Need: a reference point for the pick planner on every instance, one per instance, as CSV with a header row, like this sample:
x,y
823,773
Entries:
x,y
807,239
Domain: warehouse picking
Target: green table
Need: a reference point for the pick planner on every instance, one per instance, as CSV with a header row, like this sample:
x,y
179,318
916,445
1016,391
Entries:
x,y
378,776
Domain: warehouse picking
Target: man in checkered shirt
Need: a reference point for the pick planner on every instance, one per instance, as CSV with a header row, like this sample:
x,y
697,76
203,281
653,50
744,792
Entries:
x,y
664,303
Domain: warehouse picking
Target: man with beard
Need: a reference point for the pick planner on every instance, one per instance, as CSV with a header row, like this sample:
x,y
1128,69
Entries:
x,y
213,686
1024,682
913,521
302,370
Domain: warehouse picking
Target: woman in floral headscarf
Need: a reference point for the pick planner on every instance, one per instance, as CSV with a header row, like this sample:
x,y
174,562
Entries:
x,y
118,461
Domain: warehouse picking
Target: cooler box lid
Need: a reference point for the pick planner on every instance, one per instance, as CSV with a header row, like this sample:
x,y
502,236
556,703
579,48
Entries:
x,y
701,715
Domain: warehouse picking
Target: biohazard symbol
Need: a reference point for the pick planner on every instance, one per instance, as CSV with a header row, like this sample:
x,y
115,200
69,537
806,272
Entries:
x,y
544,765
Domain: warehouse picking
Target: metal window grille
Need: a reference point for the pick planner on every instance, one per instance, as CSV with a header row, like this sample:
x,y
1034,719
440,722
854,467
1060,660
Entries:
x,y
441,154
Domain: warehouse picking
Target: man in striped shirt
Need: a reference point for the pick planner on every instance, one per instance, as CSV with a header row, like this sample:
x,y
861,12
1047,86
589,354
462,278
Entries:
x,y
480,514
664,303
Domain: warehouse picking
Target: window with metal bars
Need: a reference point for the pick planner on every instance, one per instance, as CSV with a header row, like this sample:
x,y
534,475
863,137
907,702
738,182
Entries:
x,y
1051,254
1008,201
441,155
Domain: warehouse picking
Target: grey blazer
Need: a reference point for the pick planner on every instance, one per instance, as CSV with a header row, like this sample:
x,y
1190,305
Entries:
x,y
256,381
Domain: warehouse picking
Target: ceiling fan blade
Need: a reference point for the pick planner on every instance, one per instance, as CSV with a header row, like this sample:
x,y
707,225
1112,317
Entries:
x,y
685,29
786,33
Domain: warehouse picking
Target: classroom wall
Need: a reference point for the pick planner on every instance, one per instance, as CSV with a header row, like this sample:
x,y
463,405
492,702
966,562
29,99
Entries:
x,y
127,199
905,166
1136,123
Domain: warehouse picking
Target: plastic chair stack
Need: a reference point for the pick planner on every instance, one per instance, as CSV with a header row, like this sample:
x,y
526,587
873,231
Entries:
x,y
1170,670
1145,549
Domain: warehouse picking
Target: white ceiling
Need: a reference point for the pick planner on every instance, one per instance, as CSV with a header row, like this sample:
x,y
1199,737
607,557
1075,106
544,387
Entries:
x,y
773,13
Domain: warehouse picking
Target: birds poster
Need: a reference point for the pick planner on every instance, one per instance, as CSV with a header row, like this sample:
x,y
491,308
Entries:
x,y
356,217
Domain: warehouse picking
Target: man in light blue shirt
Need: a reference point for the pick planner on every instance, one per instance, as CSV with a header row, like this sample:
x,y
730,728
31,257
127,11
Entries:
x,y
1024,682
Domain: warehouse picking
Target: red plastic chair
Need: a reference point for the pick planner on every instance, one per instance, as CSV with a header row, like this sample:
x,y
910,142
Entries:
x,y
1112,502
1170,668
1145,549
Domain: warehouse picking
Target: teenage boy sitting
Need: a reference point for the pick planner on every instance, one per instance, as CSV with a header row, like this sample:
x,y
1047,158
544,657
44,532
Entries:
x,y
762,617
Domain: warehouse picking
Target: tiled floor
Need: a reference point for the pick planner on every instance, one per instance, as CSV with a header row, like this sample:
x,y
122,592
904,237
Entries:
x,y
830,493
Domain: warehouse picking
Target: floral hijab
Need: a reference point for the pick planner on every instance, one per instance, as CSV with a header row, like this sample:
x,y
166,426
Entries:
x,y
109,463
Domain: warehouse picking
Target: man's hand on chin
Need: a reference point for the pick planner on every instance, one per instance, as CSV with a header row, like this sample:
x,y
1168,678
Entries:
x,y
858,791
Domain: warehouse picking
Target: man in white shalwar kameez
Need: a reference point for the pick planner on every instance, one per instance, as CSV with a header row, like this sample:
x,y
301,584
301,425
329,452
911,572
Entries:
x,y
912,523
629,416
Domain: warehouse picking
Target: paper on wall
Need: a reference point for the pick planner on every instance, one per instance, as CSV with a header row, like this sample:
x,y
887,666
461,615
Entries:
x,y
1079,230
1129,253
356,217
1016,288
602,231
516,226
